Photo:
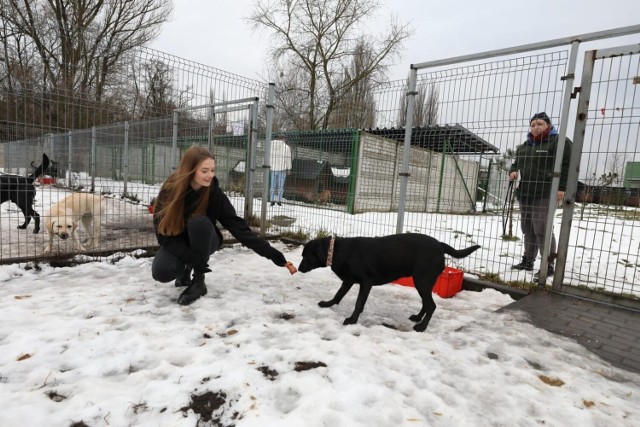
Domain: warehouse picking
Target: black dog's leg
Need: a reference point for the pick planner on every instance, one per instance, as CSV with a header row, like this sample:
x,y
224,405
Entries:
x,y
363,294
29,212
36,222
338,296
424,285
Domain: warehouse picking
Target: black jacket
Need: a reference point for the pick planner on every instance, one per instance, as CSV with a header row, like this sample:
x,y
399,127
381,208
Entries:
x,y
535,161
220,210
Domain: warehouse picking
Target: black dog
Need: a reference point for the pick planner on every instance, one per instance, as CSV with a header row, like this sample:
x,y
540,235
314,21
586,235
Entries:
x,y
21,191
372,261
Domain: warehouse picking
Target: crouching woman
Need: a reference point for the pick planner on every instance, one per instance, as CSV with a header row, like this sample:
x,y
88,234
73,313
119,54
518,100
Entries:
x,y
185,214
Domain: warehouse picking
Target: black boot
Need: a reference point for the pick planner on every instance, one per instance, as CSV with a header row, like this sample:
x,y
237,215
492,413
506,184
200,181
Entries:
x,y
525,264
550,272
185,278
196,289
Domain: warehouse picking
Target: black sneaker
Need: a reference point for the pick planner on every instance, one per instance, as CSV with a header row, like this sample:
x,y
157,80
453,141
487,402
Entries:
x,y
526,264
273,203
550,272
279,203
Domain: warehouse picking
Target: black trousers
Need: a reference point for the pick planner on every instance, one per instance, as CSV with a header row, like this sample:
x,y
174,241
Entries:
x,y
203,241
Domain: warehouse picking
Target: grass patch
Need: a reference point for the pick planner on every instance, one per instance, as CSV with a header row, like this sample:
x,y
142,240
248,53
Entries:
x,y
517,284
510,238
253,221
627,214
299,235
322,233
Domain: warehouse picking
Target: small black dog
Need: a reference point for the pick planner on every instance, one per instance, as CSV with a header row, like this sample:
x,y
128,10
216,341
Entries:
x,y
21,191
372,261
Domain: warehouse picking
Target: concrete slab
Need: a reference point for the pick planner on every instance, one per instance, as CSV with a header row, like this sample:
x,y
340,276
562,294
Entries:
x,y
611,332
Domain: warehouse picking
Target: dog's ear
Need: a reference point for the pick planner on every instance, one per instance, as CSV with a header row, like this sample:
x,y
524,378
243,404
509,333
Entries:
x,y
48,223
320,249
75,225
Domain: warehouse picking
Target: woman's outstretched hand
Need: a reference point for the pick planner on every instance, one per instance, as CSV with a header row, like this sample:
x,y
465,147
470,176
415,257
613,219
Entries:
x,y
292,268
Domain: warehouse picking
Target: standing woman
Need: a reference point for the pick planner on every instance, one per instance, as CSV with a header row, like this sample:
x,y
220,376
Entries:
x,y
185,214
534,165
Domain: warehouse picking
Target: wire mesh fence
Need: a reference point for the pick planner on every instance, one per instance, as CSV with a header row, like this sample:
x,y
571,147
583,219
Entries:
x,y
467,119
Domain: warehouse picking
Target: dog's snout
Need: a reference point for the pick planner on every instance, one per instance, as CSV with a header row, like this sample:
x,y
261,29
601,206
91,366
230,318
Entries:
x,y
303,267
63,236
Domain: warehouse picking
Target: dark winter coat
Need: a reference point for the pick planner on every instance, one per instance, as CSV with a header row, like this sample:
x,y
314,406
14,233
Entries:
x,y
535,161
220,210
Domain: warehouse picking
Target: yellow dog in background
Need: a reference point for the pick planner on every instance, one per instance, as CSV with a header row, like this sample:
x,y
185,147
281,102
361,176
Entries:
x,y
63,219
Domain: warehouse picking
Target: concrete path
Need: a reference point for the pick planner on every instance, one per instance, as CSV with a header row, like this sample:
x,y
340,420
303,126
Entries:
x,y
611,332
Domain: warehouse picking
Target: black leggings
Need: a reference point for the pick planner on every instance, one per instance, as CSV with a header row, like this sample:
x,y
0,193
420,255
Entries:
x,y
203,241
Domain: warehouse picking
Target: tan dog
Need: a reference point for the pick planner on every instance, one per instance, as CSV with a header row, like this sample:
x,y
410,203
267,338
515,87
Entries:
x,y
324,197
63,219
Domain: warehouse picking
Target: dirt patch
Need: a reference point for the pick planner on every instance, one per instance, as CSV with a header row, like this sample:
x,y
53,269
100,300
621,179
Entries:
x,y
306,365
210,408
269,373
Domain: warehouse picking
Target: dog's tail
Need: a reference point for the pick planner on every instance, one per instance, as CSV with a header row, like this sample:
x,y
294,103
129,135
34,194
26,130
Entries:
x,y
459,253
40,169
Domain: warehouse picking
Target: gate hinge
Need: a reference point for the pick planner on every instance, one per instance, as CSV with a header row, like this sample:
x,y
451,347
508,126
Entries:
x,y
575,92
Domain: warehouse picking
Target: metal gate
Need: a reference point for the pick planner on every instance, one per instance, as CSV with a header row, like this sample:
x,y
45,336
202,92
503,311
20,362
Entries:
x,y
600,236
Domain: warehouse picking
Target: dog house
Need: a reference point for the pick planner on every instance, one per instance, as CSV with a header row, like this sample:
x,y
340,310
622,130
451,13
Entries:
x,y
316,181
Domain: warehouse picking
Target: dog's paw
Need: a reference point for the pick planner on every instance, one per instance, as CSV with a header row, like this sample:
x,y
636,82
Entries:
x,y
22,227
420,327
415,318
36,230
325,304
350,321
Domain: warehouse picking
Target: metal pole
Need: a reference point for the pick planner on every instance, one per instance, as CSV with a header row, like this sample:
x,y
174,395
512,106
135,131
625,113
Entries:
x,y
266,163
404,175
94,138
443,166
486,188
125,160
212,118
251,163
174,142
70,151
557,168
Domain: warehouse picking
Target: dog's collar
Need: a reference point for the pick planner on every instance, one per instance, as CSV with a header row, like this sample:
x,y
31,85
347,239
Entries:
x,y
330,252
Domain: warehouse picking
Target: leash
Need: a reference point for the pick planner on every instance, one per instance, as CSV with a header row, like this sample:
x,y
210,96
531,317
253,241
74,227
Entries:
x,y
506,208
330,252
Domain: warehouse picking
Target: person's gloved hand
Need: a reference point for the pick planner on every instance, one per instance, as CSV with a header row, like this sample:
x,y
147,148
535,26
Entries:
x,y
276,257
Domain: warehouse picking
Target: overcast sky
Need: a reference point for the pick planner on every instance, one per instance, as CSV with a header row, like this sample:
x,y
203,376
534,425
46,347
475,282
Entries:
x,y
215,32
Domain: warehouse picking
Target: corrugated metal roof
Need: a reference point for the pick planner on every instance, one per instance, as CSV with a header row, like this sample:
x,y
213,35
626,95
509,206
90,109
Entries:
x,y
459,139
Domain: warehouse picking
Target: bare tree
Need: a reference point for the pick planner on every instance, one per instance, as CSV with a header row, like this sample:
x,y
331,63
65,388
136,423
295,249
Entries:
x,y
425,112
315,41
76,45
155,95
357,107
611,180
